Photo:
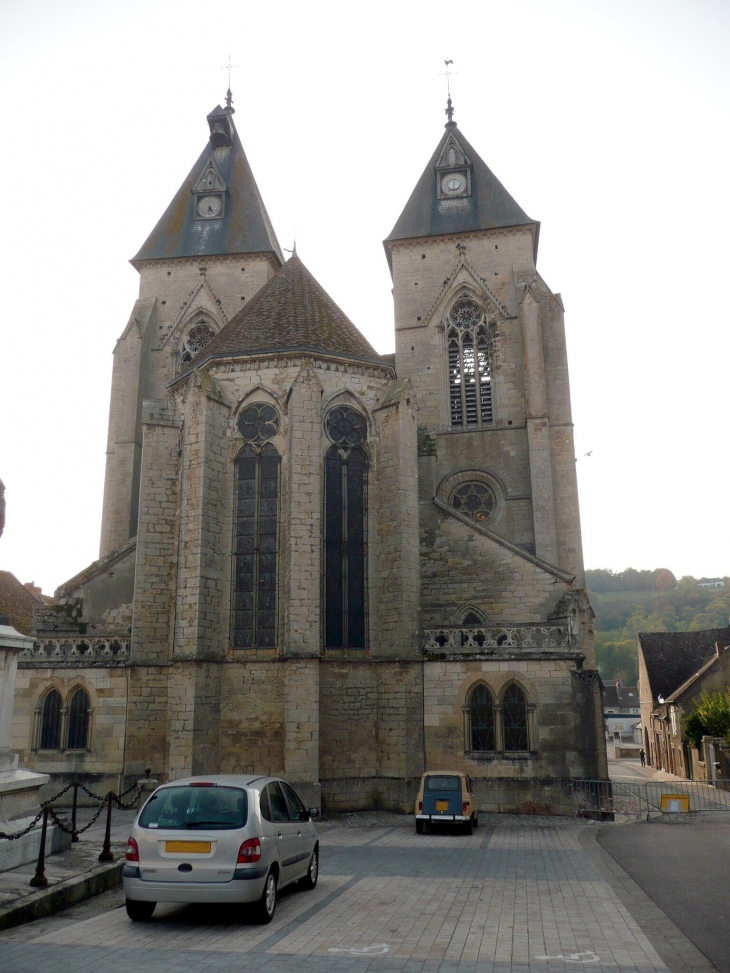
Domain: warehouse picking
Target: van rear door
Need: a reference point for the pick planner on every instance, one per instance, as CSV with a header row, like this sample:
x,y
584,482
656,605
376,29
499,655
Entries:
x,y
442,796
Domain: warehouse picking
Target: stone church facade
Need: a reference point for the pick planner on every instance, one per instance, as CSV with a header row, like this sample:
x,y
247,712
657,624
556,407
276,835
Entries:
x,y
316,560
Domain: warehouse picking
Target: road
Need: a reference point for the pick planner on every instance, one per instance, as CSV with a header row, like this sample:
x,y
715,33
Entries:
x,y
684,870
522,895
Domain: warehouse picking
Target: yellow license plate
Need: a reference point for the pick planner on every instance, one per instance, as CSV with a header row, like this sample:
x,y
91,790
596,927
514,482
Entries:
x,y
442,805
188,847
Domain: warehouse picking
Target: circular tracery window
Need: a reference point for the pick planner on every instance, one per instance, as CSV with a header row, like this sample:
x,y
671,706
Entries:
x,y
197,338
258,422
345,427
466,314
474,499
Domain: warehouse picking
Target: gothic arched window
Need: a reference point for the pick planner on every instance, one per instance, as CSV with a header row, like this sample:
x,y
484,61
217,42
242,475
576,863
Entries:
x,y
514,719
345,530
481,718
51,721
257,530
470,376
78,721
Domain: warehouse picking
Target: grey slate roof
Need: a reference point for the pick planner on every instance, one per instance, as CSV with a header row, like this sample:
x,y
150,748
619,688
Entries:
x,y
489,205
292,312
623,698
672,658
245,227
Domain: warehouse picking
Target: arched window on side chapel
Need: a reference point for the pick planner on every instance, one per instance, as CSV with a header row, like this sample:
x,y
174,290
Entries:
x,y
345,530
470,374
256,518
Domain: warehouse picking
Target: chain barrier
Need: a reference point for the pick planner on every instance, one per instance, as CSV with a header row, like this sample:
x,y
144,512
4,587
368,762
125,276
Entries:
x,y
75,832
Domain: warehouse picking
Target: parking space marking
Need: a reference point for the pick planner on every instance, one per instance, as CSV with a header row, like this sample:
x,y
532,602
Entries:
x,y
351,837
186,927
435,839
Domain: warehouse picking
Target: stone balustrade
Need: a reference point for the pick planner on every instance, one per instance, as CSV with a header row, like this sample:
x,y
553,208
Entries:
x,y
52,652
509,637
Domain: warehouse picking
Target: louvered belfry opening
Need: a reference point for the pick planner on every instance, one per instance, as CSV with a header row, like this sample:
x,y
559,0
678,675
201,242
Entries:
x,y
470,377
257,530
345,531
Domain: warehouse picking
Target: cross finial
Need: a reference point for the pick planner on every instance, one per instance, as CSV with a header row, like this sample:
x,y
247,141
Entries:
x,y
229,97
449,105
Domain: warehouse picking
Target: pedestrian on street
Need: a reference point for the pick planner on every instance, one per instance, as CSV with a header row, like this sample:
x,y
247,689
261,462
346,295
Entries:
x,y
642,757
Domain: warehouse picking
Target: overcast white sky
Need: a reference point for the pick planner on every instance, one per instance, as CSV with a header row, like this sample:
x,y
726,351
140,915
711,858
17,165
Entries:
x,y
607,120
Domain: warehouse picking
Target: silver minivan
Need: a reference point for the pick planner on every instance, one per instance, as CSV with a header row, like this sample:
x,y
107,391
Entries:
x,y
220,839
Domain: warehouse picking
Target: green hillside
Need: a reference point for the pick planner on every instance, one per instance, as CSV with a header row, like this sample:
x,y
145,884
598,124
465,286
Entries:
x,y
631,601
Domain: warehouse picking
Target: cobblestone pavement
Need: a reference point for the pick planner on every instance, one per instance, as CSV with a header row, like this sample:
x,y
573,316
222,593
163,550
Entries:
x,y
521,895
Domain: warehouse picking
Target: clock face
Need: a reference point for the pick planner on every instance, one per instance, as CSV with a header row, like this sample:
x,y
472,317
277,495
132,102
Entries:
x,y
209,207
453,183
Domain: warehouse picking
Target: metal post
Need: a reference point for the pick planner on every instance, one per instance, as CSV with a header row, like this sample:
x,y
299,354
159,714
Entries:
x,y
74,836
39,880
106,851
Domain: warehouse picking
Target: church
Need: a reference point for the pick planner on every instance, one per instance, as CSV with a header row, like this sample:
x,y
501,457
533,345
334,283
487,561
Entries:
x,y
318,561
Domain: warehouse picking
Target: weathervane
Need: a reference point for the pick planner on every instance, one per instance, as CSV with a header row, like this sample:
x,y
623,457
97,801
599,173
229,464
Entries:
x,y
449,107
229,96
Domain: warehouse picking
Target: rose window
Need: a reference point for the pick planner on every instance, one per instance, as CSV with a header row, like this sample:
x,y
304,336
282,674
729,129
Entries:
x,y
197,338
258,422
345,427
466,314
475,499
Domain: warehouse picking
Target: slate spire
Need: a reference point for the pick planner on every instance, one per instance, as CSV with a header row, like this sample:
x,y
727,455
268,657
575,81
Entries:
x,y
218,209
457,193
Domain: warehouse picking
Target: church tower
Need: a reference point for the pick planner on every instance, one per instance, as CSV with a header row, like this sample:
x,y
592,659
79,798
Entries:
x,y
211,251
480,336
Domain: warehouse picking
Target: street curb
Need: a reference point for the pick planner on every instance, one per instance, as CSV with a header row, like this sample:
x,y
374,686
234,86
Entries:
x,y
47,902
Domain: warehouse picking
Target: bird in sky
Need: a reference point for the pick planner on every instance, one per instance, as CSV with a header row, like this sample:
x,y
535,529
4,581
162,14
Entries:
x,y
589,453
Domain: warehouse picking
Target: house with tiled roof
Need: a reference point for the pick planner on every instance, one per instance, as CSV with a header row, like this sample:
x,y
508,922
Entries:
x,y
317,559
675,668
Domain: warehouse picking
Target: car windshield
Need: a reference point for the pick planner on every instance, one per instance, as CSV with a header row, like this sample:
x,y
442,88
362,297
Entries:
x,y
183,808
443,783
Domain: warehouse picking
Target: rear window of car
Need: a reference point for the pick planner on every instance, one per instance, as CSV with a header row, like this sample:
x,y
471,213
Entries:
x,y
443,783
187,808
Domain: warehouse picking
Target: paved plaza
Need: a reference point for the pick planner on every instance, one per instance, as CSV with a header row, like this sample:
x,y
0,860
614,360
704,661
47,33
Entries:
x,y
521,894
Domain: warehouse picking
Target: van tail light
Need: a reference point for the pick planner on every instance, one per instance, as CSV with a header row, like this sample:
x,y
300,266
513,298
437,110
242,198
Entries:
x,y
132,851
420,805
464,806
250,851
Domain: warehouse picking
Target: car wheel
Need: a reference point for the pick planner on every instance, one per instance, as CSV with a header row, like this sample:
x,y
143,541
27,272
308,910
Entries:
x,y
140,911
419,827
310,879
476,820
469,826
266,906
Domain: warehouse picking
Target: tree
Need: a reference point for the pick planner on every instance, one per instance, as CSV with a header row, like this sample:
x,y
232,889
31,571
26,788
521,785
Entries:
x,y
710,717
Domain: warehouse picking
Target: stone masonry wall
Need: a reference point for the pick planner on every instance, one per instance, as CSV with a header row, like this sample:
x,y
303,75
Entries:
x,y
562,744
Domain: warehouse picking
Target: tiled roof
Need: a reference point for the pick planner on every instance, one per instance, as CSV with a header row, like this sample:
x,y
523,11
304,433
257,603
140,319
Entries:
x,y
487,207
621,697
244,227
292,312
16,602
672,658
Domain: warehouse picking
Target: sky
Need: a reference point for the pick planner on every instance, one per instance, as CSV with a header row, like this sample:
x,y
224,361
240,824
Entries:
x,y
607,120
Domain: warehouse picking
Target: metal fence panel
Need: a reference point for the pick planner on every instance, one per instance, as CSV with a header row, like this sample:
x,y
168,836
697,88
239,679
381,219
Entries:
x,y
599,797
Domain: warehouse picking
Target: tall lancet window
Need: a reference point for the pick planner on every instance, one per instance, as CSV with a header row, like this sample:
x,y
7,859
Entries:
x,y
345,530
257,529
470,375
